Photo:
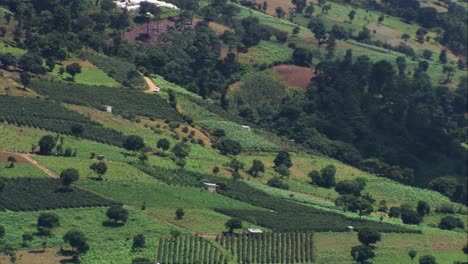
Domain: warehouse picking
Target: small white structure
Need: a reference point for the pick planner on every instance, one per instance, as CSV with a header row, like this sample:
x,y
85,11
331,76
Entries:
x,y
350,229
107,108
211,187
132,5
246,127
255,231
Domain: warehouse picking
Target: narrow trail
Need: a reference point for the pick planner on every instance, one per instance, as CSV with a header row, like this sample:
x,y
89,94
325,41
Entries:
x,y
28,157
151,86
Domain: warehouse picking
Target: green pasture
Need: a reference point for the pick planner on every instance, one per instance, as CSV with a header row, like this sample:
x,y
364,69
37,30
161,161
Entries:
x,y
90,75
21,170
267,52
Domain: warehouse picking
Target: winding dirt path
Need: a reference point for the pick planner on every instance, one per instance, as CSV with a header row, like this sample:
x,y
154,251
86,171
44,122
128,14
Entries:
x,y
29,159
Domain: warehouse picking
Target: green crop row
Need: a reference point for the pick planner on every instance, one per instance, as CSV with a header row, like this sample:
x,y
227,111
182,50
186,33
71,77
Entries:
x,y
54,117
189,250
126,103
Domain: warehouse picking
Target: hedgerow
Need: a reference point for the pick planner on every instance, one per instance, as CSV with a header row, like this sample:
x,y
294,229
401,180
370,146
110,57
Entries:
x,y
54,117
124,102
31,194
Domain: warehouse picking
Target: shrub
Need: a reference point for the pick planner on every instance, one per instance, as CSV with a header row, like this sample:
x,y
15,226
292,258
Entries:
x,y
278,183
410,217
450,222
49,220
368,236
138,241
395,212
427,259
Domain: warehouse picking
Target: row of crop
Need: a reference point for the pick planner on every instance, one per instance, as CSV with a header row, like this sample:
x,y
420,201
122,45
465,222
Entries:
x,y
271,247
54,117
124,102
122,71
31,194
189,249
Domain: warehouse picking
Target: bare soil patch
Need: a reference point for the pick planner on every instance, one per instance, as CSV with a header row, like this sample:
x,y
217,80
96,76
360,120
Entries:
x,y
384,30
273,4
295,75
218,28
156,28
447,243
19,158
37,256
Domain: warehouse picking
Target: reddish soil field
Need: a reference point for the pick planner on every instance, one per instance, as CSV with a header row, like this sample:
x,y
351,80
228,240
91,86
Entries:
x,y
4,157
37,257
156,28
295,75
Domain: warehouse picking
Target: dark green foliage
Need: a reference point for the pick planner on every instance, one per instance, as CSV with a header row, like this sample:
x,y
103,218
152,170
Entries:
x,y
77,240
73,69
180,213
117,214
233,224
133,143
46,144
138,241
100,168
423,208
69,176
282,170
326,177
163,144
302,57
278,183
181,150
24,194
124,102
368,236
427,259
257,167
37,113
410,217
229,147
348,187
395,212
449,222
283,158
48,220
447,186
412,254
2,231
362,254
122,71
267,247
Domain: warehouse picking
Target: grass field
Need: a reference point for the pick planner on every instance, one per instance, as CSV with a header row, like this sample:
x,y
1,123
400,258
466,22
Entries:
x,y
6,48
21,170
266,53
107,244
90,74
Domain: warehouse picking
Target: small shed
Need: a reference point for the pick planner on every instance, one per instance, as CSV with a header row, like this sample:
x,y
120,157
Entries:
x,y
211,187
101,157
246,127
350,229
107,108
255,231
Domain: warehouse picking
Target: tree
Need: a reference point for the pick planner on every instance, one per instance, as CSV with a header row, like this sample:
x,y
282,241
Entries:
x,y
181,150
50,62
401,64
282,170
361,206
449,222
48,220
233,224
12,161
236,165
300,5
318,28
427,54
219,133
369,236
412,254
78,241
46,144
443,56
277,183
280,12
229,147
68,176
405,37
302,57
100,168
163,144
133,143
427,259
7,59
117,213
138,241
257,167
362,253
328,176
2,231
423,208
180,213
77,129
395,212
351,15
283,158
348,187
25,79
444,185
449,70
410,217
73,69
309,10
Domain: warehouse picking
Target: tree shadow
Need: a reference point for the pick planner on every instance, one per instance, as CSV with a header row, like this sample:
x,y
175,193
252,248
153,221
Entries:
x,y
109,223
